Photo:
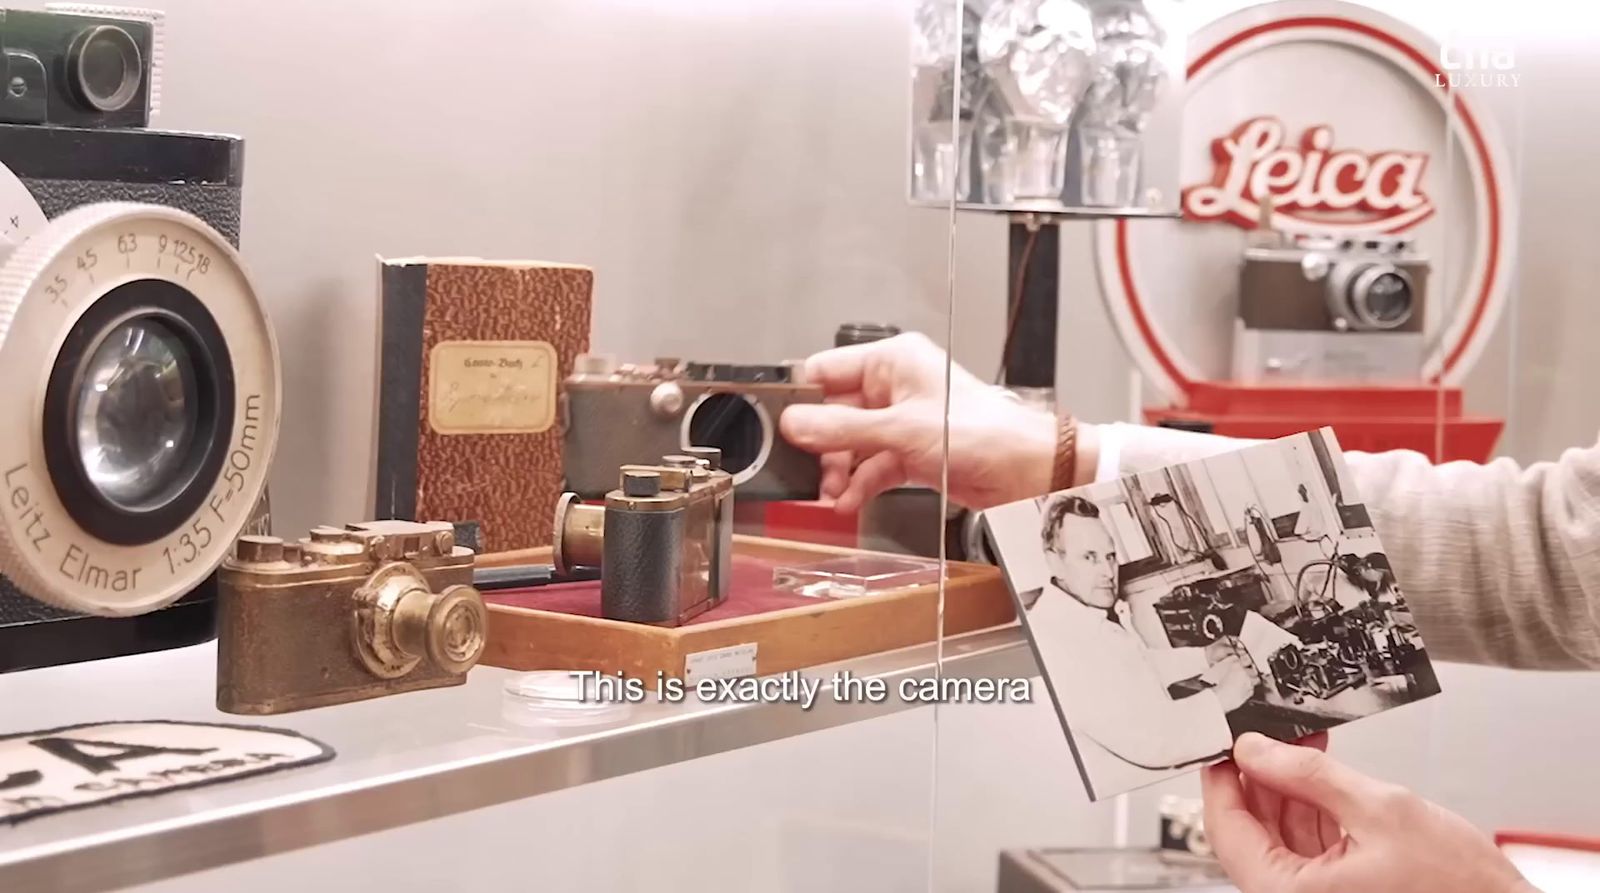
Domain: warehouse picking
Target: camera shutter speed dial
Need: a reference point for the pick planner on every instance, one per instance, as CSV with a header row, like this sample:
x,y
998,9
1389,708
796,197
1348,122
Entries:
x,y
146,393
20,214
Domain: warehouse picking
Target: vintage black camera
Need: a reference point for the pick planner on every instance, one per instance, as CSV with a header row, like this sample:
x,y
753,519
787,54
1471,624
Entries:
x,y
663,540
67,165
1331,309
1319,670
1200,612
618,415
76,70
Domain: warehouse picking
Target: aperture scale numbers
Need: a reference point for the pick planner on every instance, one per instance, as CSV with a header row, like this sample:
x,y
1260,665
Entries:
x,y
173,254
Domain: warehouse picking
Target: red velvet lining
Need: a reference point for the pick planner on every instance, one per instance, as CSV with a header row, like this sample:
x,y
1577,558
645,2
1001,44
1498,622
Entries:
x,y
751,593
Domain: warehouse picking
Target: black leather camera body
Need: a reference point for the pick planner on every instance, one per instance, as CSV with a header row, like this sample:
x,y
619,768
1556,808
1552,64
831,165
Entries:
x,y
1200,612
75,70
71,148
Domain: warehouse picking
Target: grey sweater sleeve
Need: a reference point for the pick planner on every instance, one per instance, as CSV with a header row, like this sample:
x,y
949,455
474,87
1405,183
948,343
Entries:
x,y
1500,563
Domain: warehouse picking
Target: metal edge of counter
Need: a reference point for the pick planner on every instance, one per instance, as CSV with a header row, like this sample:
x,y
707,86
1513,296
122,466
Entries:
x,y
272,826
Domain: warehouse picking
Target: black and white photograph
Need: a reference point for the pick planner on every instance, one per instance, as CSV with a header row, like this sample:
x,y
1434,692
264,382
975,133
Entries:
x,y
1173,610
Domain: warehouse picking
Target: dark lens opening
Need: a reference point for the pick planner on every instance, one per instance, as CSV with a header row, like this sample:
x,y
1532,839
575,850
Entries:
x,y
139,412
731,424
1388,299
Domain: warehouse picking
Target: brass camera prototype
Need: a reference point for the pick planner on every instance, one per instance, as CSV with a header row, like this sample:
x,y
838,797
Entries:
x,y
348,614
663,540
627,414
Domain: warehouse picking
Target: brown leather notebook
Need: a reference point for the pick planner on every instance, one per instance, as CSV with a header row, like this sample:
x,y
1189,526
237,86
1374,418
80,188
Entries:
x,y
472,354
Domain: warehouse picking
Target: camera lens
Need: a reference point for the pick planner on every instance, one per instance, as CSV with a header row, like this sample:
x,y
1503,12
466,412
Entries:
x,y
137,410
1381,298
137,413
733,424
106,67
146,412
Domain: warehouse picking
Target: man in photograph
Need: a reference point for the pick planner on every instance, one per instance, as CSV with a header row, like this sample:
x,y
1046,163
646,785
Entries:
x,y
1128,728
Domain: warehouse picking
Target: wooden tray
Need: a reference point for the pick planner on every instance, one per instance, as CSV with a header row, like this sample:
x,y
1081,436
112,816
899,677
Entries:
x,y
521,638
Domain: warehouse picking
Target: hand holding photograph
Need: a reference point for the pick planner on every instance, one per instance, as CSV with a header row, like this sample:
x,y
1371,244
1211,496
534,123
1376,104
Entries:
x,y
1173,610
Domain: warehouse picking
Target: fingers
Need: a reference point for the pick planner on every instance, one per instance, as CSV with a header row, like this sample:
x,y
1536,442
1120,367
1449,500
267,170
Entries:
x,y
1328,831
836,466
853,368
1239,840
1303,830
1308,774
1316,741
1267,806
835,474
877,474
837,428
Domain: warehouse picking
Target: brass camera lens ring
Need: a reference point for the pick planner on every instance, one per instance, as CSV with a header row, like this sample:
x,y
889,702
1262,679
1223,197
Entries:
x,y
399,620
387,606
47,287
458,629
763,419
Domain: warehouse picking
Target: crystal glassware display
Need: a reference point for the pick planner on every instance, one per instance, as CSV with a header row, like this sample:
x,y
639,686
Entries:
x,y
1128,76
942,45
1038,55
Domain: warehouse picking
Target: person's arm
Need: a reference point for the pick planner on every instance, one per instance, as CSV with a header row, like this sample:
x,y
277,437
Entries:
x,y
1177,664
1121,703
1499,563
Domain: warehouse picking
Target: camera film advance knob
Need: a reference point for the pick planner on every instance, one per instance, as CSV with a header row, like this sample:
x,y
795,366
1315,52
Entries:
x,y
667,399
399,621
641,484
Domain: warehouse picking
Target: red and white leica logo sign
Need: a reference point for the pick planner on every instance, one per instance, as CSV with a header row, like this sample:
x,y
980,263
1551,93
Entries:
x,y
1338,115
1314,184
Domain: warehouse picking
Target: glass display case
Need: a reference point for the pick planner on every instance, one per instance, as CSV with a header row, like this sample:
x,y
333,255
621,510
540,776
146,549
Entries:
x,y
1396,288
712,346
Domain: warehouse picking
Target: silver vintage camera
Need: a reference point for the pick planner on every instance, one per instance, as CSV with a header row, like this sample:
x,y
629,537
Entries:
x,y
618,415
1326,308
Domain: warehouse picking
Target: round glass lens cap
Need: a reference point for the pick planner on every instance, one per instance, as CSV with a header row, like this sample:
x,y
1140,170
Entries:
x,y
137,412
559,697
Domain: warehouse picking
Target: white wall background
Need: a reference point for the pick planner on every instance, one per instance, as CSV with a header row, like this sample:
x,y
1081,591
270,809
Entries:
x,y
733,169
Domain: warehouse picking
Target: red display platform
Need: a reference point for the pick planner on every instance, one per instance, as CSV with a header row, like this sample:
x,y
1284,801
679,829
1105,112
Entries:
x,y
559,627
1365,418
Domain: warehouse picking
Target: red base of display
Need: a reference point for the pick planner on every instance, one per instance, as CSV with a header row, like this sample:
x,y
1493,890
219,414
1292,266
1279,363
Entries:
x,y
1365,418
807,522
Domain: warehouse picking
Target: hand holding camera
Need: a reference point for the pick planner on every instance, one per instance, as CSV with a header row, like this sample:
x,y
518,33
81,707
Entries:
x,y
881,425
1223,649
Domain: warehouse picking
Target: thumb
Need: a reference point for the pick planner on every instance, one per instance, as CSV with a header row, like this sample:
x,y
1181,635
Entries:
x,y
835,427
1311,776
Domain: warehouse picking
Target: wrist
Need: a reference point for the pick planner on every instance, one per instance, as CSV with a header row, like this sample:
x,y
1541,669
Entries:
x,y
1061,453
1038,447
1088,454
